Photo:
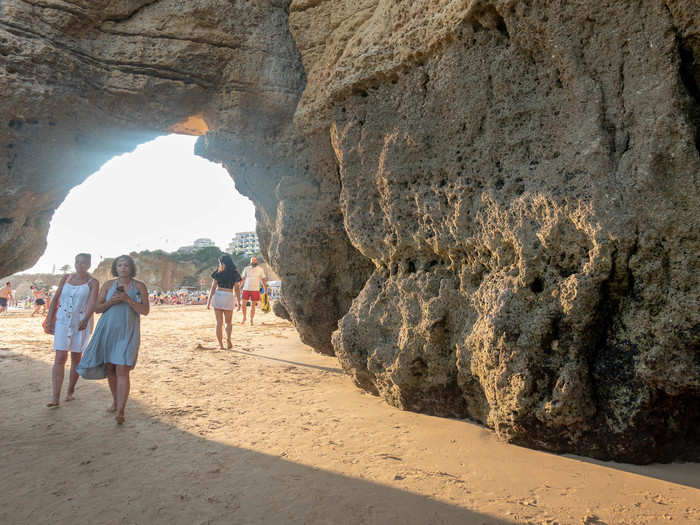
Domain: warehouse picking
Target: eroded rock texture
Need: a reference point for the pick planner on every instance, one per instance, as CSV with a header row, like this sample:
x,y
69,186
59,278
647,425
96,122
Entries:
x,y
496,202
524,177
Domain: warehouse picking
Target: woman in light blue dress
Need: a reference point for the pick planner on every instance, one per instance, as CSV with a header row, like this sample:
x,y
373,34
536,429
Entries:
x,y
114,347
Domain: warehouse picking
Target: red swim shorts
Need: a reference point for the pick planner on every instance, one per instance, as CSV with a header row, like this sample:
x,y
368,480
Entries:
x,y
251,294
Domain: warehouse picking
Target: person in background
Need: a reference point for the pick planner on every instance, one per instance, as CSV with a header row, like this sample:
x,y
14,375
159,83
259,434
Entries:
x,y
224,296
39,299
74,304
253,276
5,296
114,348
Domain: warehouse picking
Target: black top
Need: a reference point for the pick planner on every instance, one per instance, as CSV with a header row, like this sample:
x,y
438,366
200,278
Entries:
x,y
226,279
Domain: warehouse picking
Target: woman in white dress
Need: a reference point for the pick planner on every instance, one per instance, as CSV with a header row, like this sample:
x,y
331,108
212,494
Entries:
x,y
74,304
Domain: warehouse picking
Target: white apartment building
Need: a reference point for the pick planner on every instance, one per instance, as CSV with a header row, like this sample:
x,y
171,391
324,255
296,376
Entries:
x,y
245,242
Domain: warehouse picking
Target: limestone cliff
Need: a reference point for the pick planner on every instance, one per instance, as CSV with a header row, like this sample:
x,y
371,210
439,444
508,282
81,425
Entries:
x,y
495,202
162,271
158,272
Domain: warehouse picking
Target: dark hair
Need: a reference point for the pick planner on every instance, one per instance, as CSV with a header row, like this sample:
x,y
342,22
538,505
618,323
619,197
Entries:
x,y
129,260
230,271
86,255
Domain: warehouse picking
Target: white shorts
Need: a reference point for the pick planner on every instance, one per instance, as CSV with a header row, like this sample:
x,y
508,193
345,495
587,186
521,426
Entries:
x,y
223,300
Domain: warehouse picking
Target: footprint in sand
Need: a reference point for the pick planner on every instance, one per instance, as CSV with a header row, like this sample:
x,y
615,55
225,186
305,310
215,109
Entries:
x,y
200,346
592,519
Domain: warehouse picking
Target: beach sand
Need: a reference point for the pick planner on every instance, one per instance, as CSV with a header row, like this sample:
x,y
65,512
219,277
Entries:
x,y
270,432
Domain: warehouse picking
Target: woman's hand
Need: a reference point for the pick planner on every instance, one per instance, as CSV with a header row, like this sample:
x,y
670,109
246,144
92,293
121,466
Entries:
x,y
214,286
50,328
117,297
83,324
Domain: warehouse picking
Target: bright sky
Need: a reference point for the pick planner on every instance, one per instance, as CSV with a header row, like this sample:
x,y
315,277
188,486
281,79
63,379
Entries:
x,y
160,196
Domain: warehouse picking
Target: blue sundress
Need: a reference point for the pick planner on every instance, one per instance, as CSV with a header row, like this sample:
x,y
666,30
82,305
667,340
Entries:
x,y
116,339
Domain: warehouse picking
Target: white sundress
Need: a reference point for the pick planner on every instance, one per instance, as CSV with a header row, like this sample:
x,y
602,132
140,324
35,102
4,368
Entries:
x,y
72,307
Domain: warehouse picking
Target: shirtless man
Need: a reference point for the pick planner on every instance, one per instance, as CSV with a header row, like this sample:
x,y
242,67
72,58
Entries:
x,y
5,295
39,300
252,276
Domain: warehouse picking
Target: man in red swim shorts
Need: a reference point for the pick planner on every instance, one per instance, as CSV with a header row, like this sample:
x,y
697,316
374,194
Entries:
x,y
252,276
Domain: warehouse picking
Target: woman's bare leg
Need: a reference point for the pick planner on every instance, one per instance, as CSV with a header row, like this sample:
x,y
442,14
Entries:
x,y
73,375
57,373
123,387
219,327
112,380
227,318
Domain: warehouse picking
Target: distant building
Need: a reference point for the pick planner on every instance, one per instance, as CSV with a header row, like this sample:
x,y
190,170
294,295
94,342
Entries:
x,y
203,243
245,242
197,245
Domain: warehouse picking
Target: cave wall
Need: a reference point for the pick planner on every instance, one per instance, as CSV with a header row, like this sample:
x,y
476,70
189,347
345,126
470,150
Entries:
x,y
524,177
490,205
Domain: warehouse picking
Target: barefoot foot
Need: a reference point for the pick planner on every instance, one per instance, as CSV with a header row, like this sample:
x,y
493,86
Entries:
x,y
70,396
229,344
119,419
53,404
113,408
243,321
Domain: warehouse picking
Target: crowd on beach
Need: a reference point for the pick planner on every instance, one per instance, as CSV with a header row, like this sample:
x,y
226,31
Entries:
x,y
175,297
111,350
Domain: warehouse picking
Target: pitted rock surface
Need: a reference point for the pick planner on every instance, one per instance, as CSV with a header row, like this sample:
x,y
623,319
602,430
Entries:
x,y
494,202
524,193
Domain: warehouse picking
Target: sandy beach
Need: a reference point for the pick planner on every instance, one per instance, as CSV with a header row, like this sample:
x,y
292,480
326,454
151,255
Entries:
x,y
270,432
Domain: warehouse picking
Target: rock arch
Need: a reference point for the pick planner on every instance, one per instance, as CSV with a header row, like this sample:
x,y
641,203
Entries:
x,y
90,80
496,201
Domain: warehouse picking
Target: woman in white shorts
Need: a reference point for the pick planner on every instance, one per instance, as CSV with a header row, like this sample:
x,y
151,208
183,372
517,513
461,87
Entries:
x,y
74,304
224,296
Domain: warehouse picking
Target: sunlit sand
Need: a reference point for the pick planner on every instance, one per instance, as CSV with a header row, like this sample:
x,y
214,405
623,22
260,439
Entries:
x,y
269,432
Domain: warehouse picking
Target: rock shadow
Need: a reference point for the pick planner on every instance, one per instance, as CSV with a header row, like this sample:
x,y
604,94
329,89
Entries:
x,y
74,464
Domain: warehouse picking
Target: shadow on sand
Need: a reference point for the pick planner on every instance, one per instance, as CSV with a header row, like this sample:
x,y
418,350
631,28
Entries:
x,y
74,464
687,474
296,363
